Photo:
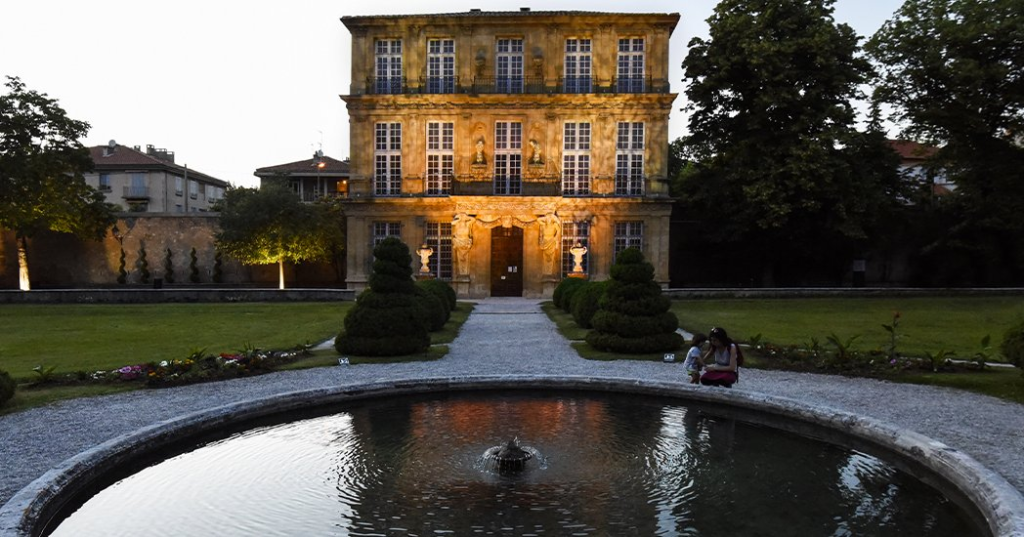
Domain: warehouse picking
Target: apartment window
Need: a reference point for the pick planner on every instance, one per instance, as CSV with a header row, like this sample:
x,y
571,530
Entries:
x,y
576,159
440,66
628,235
574,233
438,236
193,189
629,159
383,230
440,158
578,66
179,186
631,65
105,182
209,192
387,153
508,157
178,208
509,66
388,59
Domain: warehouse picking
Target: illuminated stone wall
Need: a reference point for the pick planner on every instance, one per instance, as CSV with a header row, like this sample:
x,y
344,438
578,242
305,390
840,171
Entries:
x,y
544,106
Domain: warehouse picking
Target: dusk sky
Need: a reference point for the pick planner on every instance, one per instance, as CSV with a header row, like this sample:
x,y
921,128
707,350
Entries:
x,y
231,87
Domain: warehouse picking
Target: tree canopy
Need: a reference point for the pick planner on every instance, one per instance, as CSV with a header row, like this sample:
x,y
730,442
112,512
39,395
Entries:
x,y
42,167
778,163
272,225
953,70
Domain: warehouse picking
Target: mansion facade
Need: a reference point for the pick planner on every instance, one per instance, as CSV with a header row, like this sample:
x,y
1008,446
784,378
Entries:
x,y
501,140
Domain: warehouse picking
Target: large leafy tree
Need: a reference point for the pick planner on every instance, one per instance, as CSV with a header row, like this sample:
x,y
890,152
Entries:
x,y
954,72
272,225
42,167
779,176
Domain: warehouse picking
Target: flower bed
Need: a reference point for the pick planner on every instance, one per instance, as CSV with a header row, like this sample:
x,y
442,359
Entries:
x,y
199,366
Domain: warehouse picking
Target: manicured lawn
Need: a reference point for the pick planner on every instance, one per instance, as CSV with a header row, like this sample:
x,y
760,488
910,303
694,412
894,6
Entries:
x,y
926,324
929,324
94,337
103,337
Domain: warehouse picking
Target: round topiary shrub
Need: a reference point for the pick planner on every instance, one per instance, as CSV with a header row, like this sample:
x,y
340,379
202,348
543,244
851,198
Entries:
x,y
1013,345
564,291
388,318
450,297
7,387
585,302
441,290
432,309
633,317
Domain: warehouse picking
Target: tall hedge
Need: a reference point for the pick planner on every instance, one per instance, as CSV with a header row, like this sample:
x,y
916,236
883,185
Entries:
x,y
387,319
634,317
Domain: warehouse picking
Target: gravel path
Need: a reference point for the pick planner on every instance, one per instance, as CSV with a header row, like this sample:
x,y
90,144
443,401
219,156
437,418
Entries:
x,y
510,337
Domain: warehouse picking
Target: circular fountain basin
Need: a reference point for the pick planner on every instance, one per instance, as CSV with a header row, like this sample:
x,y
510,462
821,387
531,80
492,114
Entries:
x,y
613,458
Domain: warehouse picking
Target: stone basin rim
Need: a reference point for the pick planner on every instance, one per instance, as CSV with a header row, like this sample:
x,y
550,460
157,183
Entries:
x,y
1001,505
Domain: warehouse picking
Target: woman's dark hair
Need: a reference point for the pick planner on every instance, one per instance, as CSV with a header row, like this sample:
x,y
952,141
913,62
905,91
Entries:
x,y
698,339
720,335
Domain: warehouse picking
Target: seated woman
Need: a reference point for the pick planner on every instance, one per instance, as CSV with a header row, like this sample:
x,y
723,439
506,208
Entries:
x,y
721,363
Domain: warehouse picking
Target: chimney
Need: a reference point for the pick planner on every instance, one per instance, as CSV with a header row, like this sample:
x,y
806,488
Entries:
x,y
160,153
474,10
524,9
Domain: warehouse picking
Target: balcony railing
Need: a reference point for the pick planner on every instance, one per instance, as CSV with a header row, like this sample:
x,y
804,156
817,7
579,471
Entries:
x,y
513,85
514,187
136,192
439,84
394,85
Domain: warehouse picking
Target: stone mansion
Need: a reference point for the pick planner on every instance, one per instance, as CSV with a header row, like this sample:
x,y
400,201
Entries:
x,y
501,140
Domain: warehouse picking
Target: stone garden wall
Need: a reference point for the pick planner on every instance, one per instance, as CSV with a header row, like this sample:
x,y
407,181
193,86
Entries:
x,y
58,260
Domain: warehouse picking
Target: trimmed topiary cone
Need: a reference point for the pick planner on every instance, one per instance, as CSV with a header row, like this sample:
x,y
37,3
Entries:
x,y
387,319
633,316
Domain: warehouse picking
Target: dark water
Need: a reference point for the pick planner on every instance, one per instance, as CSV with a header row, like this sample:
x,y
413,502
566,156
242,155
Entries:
x,y
608,464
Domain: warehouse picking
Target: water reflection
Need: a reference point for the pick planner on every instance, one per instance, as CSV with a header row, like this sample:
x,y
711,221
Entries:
x,y
613,465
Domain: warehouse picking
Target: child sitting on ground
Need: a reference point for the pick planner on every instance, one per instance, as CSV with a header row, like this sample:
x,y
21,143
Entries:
x,y
693,361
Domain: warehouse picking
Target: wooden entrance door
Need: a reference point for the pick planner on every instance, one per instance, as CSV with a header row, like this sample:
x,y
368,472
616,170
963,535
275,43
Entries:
x,y
507,261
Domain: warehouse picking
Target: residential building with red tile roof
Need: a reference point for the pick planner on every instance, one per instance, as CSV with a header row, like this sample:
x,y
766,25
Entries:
x,y
913,164
320,176
150,182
